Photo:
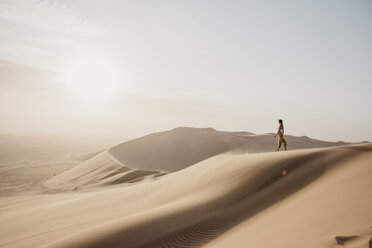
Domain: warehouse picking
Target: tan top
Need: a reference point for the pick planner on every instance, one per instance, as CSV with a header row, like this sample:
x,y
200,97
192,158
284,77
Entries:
x,y
281,128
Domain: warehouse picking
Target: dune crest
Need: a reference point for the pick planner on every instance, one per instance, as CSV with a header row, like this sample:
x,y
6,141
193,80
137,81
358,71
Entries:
x,y
181,147
154,155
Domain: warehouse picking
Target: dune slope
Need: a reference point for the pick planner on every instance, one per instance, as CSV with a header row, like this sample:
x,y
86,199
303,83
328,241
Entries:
x,y
98,170
217,203
333,211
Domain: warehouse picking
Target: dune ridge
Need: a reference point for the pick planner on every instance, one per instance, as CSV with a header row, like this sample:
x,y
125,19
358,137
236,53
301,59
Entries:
x,y
160,153
204,204
181,147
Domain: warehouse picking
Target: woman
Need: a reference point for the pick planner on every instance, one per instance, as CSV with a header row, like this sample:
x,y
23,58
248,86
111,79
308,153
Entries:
x,y
281,136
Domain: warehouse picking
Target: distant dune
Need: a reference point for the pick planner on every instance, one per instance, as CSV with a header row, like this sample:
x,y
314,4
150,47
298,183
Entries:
x,y
229,191
181,147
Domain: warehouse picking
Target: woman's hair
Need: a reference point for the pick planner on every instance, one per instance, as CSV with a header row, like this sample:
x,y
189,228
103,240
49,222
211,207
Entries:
x,y
280,121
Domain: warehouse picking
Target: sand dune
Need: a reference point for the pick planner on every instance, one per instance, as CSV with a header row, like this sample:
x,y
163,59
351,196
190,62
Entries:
x,y
226,200
98,170
153,155
179,148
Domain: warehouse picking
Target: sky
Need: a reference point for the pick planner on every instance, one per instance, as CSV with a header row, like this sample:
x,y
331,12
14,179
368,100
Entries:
x,y
123,69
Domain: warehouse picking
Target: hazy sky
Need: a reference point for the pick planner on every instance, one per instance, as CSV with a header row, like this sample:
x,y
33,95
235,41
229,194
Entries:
x,y
231,65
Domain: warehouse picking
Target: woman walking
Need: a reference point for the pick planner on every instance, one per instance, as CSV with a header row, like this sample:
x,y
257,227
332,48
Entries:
x,y
281,136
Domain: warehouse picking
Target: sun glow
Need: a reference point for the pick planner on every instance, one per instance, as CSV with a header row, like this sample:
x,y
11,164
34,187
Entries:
x,y
92,77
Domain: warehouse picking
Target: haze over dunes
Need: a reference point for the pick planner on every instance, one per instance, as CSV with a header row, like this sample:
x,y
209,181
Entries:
x,y
223,193
122,69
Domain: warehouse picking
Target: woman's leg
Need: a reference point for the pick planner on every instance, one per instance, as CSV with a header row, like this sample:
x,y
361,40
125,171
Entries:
x,y
285,144
279,144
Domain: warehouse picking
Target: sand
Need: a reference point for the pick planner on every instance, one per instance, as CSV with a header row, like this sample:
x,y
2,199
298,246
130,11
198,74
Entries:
x,y
234,195
26,162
